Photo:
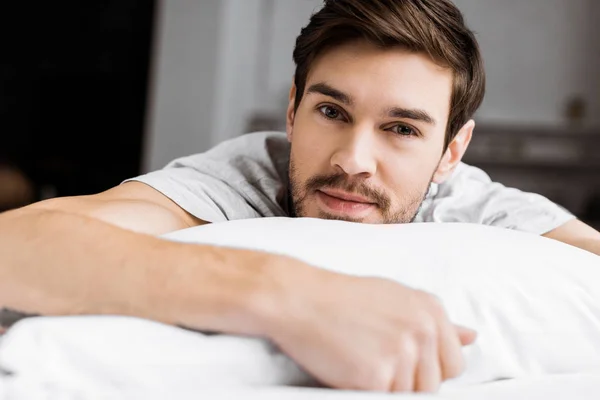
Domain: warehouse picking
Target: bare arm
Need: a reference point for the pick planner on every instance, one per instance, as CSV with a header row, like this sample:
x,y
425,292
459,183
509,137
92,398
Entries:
x,y
134,206
578,234
96,255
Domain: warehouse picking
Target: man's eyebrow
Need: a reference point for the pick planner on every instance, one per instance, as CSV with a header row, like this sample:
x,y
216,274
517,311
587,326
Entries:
x,y
409,113
394,112
326,90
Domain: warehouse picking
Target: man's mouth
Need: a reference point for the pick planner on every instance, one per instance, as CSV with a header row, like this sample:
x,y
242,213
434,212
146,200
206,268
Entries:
x,y
339,202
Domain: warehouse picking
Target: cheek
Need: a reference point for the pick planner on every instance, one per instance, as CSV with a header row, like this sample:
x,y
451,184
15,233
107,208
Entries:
x,y
310,148
305,161
409,172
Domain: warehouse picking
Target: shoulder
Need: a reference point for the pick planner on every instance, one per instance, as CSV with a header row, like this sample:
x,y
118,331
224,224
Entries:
x,y
239,178
471,196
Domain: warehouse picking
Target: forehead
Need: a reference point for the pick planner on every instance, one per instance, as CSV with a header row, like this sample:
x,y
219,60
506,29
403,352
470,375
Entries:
x,y
383,78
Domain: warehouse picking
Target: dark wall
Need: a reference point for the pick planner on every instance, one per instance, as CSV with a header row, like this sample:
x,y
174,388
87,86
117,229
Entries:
x,y
73,81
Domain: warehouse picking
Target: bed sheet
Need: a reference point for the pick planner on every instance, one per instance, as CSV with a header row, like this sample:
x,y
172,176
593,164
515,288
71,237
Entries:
x,y
584,386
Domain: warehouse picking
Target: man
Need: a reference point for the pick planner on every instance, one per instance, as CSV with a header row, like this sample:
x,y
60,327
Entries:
x,y
378,120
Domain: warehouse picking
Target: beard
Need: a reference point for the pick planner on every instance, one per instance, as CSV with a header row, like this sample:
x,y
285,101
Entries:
x,y
404,213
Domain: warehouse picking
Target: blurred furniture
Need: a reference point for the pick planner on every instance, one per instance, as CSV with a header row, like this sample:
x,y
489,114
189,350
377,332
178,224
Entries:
x,y
561,163
73,99
16,189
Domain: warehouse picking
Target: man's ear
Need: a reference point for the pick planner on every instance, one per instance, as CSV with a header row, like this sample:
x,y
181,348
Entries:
x,y
289,117
454,153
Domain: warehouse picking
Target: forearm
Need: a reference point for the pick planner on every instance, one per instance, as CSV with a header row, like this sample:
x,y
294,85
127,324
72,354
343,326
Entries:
x,y
591,245
56,263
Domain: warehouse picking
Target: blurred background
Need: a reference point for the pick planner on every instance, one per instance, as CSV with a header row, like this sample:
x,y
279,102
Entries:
x,y
94,92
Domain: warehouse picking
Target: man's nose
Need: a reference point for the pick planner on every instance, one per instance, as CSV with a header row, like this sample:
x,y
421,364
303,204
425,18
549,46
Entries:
x,y
355,154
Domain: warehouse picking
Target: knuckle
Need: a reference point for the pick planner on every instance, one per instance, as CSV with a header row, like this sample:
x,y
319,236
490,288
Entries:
x,y
433,304
426,333
406,348
455,369
375,377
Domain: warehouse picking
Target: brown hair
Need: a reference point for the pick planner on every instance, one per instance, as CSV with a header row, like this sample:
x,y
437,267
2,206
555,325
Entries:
x,y
432,27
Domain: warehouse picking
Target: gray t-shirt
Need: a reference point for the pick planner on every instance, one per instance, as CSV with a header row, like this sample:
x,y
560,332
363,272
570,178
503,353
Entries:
x,y
247,177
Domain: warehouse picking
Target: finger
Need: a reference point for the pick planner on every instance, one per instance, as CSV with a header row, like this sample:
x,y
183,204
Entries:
x,y
405,371
451,358
466,335
405,378
428,373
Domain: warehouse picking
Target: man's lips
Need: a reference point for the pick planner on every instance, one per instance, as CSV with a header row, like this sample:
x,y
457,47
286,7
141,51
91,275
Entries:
x,y
345,196
344,203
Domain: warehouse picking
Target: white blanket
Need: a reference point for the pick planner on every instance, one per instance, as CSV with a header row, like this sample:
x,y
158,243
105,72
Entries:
x,y
534,302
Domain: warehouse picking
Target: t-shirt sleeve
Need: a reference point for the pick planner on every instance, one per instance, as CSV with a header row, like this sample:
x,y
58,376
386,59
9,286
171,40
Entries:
x,y
234,180
199,193
470,196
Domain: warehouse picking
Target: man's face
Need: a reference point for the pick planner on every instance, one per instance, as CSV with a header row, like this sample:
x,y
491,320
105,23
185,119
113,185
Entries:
x,y
367,138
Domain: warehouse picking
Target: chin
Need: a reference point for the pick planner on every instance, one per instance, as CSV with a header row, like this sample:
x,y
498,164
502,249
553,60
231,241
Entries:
x,y
368,219
324,215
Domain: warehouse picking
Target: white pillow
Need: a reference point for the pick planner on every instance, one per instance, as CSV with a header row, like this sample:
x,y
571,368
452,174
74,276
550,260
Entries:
x,y
534,302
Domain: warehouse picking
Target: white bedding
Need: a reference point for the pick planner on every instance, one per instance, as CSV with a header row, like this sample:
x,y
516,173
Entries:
x,y
94,357
534,302
584,386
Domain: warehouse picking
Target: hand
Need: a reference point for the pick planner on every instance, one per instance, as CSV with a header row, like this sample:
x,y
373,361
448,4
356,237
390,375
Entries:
x,y
368,334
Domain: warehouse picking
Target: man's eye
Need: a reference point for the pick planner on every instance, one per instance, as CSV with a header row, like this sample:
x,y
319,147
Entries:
x,y
403,130
330,112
